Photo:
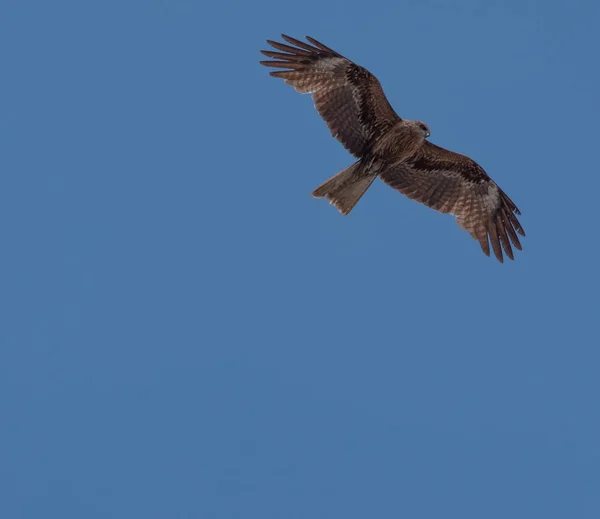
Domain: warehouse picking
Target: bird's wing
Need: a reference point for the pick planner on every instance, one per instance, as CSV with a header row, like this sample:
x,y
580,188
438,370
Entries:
x,y
347,96
452,183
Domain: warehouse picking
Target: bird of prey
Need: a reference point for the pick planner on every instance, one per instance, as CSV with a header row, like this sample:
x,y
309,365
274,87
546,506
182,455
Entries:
x,y
351,101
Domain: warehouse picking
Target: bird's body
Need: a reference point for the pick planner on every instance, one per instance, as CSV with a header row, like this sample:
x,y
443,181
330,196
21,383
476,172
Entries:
x,y
352,103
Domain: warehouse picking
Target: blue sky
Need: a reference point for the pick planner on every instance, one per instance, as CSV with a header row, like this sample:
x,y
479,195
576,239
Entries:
x,y
186,333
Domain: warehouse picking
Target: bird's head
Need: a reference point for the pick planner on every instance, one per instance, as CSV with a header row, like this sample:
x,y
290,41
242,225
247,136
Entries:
x,y
424,128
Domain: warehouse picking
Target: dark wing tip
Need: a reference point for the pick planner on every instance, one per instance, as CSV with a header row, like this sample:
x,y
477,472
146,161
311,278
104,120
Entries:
x,y
511,210
301,48
485,246
298,43
320,46
281,64
494,239
284,74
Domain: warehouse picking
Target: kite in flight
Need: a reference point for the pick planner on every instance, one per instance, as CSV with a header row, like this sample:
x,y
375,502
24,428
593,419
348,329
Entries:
x,y
351,101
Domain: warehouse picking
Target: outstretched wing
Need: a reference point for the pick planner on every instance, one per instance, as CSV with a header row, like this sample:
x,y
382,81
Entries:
x,y
452,183
347,96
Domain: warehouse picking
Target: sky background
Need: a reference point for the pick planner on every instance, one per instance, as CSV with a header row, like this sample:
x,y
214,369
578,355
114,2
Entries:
x,y
186,333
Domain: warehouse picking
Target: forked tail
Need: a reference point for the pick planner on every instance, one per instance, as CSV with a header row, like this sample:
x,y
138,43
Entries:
x,y
345,189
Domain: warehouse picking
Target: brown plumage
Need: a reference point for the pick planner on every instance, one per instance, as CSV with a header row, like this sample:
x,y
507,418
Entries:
x,y
351,101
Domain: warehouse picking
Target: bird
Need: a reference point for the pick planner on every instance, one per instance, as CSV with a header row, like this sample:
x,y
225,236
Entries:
x,y
351,101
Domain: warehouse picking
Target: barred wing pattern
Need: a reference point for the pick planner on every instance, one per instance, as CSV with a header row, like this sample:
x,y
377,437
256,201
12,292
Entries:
x,y
348,97
452,183
351,101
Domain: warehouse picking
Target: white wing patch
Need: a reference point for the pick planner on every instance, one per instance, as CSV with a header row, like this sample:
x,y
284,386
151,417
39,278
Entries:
x,y
492,200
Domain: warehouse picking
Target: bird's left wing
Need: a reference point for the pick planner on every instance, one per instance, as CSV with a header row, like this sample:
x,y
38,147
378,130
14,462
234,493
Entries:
x,y
452,183
347,96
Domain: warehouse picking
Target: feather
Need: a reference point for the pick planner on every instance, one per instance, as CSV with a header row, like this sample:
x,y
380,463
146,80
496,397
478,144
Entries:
x,y
352,103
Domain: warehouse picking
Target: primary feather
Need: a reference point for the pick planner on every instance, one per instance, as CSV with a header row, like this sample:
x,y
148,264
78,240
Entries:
x,y
351,101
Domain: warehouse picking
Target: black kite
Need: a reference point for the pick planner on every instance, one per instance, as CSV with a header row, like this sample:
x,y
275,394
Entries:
x,y
352,103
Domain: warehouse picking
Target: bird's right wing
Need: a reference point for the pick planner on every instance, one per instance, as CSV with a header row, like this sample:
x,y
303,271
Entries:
x,y
452,183
348,97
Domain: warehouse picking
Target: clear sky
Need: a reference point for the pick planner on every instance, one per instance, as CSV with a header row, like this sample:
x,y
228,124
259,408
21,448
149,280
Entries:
x,y
186,333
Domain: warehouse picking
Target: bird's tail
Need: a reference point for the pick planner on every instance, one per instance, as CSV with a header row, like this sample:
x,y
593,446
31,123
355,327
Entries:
x,y
345,189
